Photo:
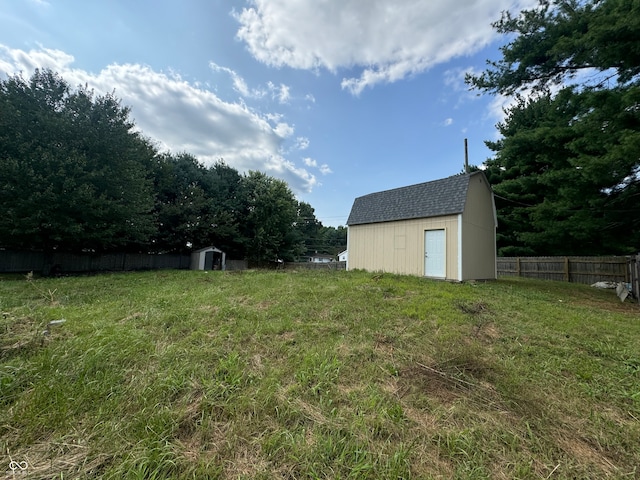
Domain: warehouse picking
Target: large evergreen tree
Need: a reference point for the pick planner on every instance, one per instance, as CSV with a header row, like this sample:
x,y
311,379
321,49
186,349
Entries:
x,y
230,208
556,41
566,170
184,204
271,215
74,175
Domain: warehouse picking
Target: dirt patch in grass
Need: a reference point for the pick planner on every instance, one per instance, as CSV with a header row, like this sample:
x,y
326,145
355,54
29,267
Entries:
x,y
473,308
466,376
430,382
288,337
264,305
488,333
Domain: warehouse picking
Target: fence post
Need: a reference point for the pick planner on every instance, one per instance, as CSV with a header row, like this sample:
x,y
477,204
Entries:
x,y
634,274
637,276
567,277
518,266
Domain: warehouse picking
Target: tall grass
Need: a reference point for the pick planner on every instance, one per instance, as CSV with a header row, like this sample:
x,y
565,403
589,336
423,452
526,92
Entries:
x,y
316,375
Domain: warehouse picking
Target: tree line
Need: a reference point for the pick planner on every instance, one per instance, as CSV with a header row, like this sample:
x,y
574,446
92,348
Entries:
x,y
566,168
76,175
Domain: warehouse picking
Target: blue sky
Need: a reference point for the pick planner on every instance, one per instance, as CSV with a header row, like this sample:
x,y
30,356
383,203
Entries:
x,y
339,98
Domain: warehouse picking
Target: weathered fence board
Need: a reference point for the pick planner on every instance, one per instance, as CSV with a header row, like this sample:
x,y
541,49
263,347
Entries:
x,y
234,265
569,269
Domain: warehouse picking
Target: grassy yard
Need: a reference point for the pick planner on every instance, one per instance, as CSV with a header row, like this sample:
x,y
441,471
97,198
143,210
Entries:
x,y
180,374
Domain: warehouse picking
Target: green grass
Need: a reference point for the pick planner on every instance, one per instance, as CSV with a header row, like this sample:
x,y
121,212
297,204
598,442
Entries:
x,y
316,375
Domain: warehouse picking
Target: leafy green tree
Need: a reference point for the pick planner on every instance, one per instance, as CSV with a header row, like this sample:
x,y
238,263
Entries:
x,y
230,209
184,207
271,215
74,174
198,206
566,170
308,228
334,239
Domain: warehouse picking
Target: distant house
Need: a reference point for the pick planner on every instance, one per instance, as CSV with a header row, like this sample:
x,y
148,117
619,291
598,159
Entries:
x,y
342,256
442,229
321,258
208,258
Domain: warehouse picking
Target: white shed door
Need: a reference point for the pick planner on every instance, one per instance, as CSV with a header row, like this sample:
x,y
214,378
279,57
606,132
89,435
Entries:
x,y
434,254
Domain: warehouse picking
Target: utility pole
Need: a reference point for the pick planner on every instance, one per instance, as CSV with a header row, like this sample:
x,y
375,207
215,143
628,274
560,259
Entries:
x,y
466,157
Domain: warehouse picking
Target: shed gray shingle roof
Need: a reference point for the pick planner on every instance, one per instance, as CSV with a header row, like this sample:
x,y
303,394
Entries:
x,y
431,199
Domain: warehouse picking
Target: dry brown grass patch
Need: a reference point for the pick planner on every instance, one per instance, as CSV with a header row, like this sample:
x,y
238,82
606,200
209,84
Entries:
x,y
583,453
247,462
428,463
55,459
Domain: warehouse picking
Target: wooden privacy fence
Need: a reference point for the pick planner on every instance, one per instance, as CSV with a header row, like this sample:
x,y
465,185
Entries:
x,y
22,262
587,270
315,265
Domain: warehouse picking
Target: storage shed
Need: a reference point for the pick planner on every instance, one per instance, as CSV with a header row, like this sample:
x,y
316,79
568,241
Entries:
x,y
208,258
443,229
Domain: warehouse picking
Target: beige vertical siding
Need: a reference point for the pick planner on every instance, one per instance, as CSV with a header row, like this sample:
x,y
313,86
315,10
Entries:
x,y
398,247
479,232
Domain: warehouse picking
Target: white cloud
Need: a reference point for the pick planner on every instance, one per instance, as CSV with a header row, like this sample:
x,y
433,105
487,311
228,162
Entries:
x,y
302,143
179,115
383,41
239,83
497,106
280,92
455,78
325,170
274,117
448,122
284,130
